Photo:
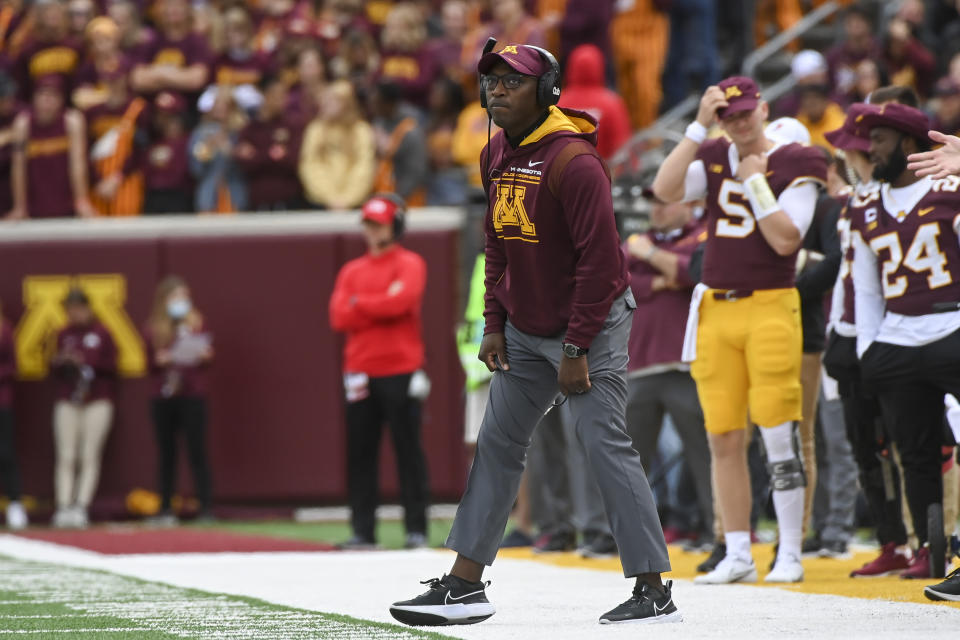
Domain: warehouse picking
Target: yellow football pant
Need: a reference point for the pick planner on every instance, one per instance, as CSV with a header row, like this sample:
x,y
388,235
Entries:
x,y
748,360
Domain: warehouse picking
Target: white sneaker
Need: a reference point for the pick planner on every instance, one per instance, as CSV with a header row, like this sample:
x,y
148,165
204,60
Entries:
x,y
78,517
16,516
786,569
62,518
730,569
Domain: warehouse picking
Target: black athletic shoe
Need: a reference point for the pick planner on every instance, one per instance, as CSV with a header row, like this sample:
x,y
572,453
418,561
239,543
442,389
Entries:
x,y
719,553
949,589
811,546
602,545
647,605
555,542
516,538
449,600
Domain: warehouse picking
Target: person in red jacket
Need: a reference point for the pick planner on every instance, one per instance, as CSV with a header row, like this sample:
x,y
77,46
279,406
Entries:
x,y
584,89
376,301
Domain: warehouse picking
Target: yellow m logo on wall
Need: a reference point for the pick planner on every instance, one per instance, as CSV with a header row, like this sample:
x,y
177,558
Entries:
x,y
44,316
509,210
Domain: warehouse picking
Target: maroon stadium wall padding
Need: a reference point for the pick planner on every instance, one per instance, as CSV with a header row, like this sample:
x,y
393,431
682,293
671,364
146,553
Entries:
x,y
276,431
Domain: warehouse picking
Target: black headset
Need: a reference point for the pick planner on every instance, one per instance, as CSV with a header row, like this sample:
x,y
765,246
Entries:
x,y
548,84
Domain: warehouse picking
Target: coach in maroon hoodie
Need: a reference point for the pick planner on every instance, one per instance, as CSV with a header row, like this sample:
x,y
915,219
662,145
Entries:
x,y
558,310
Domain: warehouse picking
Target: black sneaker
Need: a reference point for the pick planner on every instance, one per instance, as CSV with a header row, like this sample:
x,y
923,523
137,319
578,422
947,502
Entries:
x,y
516,538
601,545
415,540
357,543
811,546
701,544
555,542
647,605
719,553
449,600
949,589
835,549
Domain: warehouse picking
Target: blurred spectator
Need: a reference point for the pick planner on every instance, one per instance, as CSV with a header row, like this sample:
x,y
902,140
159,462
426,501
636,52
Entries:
x,y
446,47
118,135
470,136
908,62
943,24
818,113
50,147
49,48
583,89
273,16
447,185
358,61
692,51
376,301
15,22
311,77
773,16
220,187
402,164
337,157
946,116
80,12
586,22
104,57
136,40
337,18
268,152
239,64
9,471
406,60
807,68
857,44
9,108
178,60
869,76
639,36
85,365
169,185
179,351
511,24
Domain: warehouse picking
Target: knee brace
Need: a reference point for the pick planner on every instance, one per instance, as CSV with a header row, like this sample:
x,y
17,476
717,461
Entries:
x,y
787,474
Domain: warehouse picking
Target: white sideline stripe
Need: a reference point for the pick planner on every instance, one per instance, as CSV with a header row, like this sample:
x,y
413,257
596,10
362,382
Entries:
x,y
533,600
105,630
47,615
384,512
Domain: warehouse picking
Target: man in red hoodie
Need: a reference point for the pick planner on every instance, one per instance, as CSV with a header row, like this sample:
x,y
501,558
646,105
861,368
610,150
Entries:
x,y
584,89
376,301
557,287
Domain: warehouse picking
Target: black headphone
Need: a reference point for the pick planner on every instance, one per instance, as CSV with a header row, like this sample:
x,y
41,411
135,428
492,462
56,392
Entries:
x,y
399,214
548,84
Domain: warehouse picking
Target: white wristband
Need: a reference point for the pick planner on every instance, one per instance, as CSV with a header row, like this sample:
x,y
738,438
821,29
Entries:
x,y
696,132
761,197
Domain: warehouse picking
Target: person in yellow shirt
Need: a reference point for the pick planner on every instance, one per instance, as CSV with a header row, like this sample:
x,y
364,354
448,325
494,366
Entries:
x,y
819,114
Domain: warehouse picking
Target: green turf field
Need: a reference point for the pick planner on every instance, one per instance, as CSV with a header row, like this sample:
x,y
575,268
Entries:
x,y
390,533
48,601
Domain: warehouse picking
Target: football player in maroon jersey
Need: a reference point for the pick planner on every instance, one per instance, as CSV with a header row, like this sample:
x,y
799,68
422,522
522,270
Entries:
x,y
906,261
743,334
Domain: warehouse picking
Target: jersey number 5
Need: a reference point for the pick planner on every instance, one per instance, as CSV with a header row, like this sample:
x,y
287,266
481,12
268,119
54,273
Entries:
x,y
732,201
923,255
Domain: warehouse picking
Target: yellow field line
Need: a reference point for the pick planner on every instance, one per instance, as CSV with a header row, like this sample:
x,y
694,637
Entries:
x,y
822,575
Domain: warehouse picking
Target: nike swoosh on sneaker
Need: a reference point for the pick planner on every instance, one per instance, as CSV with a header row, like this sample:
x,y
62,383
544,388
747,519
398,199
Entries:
x,y
533,164
657,610
448,597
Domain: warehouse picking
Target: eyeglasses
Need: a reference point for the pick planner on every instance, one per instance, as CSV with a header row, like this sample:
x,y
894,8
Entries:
x,y
510,81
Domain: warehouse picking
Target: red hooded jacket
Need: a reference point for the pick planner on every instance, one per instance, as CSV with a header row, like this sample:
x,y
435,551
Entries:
x,y
584,89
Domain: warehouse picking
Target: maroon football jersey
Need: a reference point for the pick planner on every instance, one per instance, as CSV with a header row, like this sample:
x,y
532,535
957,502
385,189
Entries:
x,y
737,255
845,232
918,257
48,163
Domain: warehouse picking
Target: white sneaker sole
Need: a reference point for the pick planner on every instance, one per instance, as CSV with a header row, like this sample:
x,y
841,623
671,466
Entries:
x,y
676,616
783,579
442,614
749,577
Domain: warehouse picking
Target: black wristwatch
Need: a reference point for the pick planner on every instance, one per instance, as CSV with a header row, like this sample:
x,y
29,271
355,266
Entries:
x,y
573,351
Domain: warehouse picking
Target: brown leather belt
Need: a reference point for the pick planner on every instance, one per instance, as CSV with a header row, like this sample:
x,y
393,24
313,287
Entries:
x,y
732,294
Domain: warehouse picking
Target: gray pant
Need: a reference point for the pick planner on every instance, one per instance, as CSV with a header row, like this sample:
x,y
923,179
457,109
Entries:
x,y
563,494
835,498
518,399
674,393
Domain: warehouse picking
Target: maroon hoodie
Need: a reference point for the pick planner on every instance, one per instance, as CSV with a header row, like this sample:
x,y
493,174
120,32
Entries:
x,y
98,351
553,259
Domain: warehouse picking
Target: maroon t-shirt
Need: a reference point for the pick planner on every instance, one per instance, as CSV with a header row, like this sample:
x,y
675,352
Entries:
x,y
413,72
98,351
8,364
166,165
38,59
186,52
553,261
661,316
737,255
271,172
48,163
228,71
918,257
90,75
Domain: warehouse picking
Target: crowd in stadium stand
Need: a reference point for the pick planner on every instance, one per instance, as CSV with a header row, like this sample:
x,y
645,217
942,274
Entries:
x,y
166,106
